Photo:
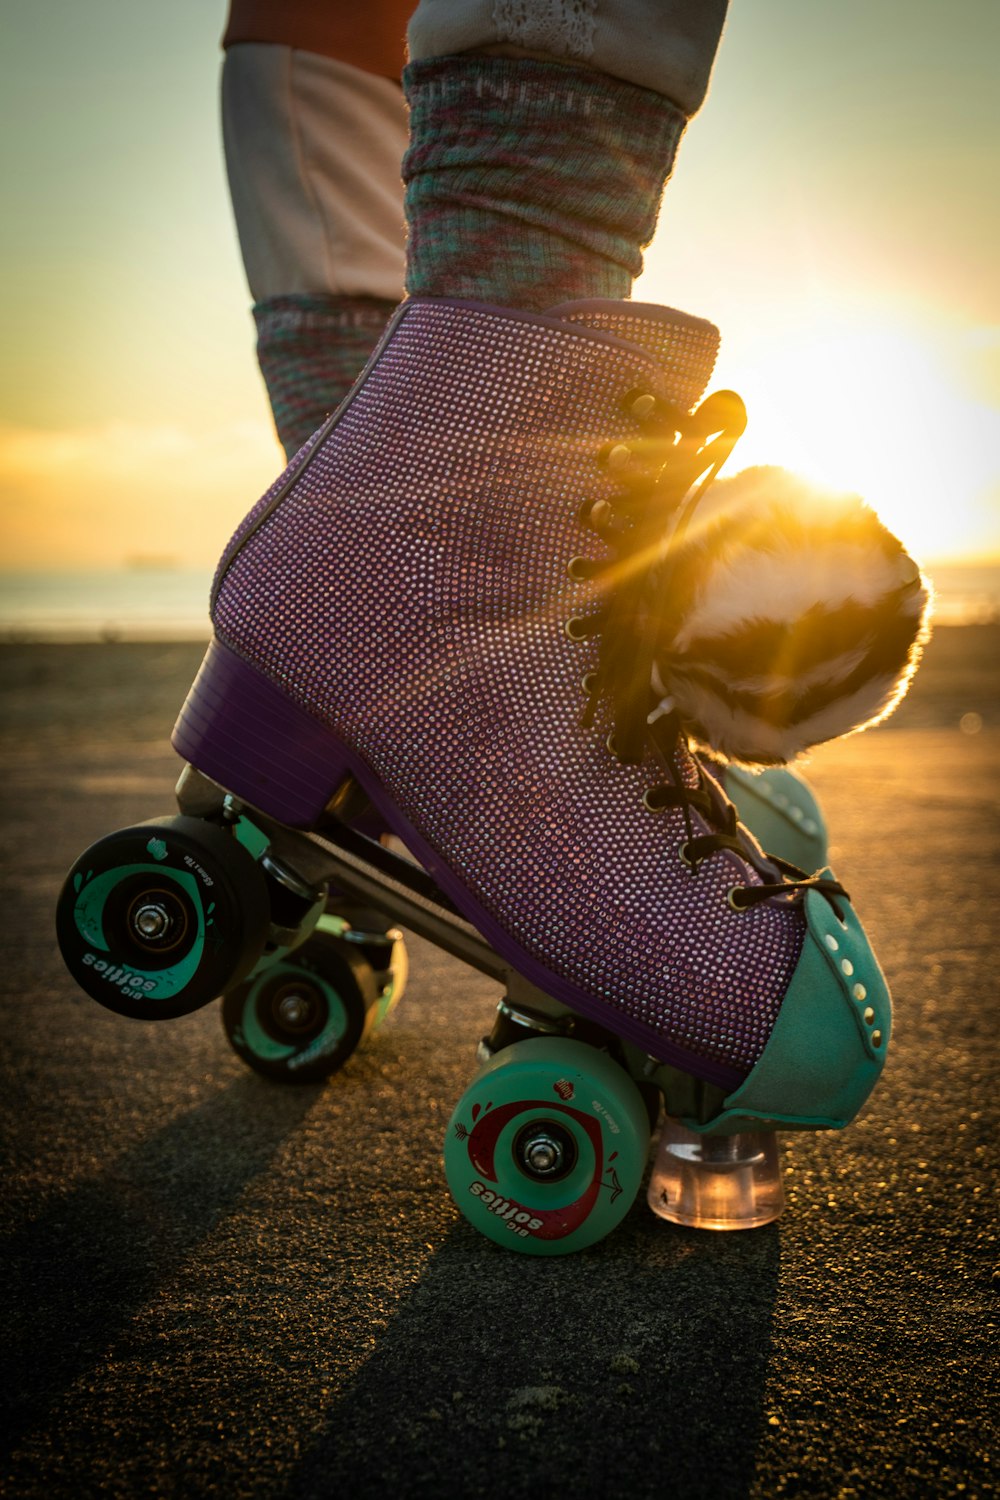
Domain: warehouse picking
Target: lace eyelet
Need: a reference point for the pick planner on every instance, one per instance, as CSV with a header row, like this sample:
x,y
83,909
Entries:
x,y
733,903
642,405
611,746
580,569
578,628
615,456
595,515
589,682
651,803
683,854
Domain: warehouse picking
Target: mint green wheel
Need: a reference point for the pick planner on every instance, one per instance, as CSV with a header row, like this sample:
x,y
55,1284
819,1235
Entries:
x,y
546,1148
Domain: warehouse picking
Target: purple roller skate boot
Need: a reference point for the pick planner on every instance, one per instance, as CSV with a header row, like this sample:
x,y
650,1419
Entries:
x,y
453,596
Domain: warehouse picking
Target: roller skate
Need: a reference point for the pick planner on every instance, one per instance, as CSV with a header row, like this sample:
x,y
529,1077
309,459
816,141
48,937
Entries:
x,y
449,610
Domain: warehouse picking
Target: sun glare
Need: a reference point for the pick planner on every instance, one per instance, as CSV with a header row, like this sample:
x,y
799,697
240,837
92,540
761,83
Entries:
x,y
880,413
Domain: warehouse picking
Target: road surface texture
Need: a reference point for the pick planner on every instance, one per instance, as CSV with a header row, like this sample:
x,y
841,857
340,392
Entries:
x,y
220,1286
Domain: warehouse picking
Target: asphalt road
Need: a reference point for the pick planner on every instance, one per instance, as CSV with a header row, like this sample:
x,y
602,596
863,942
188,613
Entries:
x,y
219,1286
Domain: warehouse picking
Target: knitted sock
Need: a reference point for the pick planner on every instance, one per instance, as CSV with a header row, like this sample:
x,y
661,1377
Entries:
x,y
531,183
311,349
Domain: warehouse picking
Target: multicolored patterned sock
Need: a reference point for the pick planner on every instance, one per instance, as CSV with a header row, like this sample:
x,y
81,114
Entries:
x,y
531,183
311,349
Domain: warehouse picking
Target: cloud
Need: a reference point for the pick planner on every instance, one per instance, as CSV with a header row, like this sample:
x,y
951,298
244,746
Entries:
x,y
95,496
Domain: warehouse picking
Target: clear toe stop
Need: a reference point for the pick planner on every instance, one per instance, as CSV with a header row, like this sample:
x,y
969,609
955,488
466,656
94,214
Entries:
x,y
716,1181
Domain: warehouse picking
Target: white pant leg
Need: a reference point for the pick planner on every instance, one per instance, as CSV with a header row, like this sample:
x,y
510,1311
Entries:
x,y
665,45
313,152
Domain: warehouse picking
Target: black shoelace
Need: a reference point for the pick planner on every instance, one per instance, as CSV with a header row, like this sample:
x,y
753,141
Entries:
x,y
663,477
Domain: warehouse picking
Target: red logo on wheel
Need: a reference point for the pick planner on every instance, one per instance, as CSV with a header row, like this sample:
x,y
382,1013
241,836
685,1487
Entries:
x,y
564,1089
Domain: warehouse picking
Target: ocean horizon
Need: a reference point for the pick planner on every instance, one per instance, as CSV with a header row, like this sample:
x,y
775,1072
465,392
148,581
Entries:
x,y
160,603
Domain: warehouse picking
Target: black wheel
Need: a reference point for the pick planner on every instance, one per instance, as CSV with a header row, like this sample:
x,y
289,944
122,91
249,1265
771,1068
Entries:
x,y
157,920
298,1020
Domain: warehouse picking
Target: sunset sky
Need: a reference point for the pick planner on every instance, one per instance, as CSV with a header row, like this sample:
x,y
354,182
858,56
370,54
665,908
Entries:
x,y
835,209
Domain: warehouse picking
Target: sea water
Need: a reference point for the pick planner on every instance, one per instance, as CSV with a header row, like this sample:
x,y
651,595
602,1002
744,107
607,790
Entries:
x,y
171,603
158,603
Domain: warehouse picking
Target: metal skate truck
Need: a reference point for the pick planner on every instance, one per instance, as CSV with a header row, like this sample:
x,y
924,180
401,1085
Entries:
x,y
490,609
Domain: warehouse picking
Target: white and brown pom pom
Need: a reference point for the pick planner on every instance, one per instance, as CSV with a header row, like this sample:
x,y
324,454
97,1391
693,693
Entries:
x,y
794,617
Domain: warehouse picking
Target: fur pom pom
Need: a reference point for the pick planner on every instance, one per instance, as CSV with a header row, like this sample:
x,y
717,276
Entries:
x,y
794,617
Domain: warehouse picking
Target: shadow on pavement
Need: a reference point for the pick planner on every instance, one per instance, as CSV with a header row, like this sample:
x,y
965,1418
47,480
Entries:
x,y
77,1273
503,1374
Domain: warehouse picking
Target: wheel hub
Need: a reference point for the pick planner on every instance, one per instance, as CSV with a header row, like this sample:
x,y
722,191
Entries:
x,y
545,1151
156,922
151,921
293,1009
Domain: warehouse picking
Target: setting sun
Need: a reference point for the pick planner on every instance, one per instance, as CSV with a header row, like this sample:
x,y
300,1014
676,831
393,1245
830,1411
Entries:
x,y
877,411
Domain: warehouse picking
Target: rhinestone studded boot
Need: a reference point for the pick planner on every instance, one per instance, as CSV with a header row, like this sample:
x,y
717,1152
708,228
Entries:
x,y
450,596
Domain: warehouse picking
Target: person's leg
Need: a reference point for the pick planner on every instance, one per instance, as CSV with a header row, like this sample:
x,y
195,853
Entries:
x,y
551,186
541,137
665,45
313,147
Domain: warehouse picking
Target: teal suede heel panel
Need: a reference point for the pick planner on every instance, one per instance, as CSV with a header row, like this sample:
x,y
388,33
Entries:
x,y
829,1042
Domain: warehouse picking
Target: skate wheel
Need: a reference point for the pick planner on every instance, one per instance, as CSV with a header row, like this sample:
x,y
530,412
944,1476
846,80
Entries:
x,y
300,1019
157,920
547,1147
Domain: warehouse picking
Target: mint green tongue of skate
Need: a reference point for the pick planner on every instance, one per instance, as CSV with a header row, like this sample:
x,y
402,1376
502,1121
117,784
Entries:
x,y
685,348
